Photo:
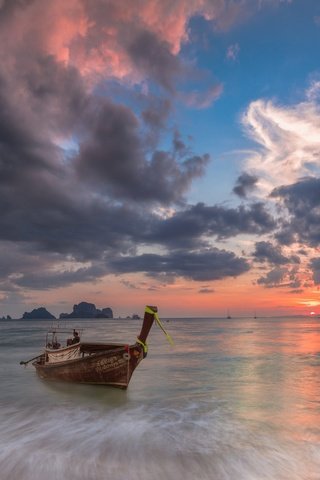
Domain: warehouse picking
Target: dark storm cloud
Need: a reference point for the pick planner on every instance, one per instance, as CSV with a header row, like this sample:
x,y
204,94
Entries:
x,y
286,235
154,58
281,277
83,228
56,93
42,97
211,264
315,268
113,157
16,258
274,277
267,252
42,201
22,265
54,279
293,277
93,231
302,200
188,226
178,145
7,7
245,184
25,265
156,113
21,151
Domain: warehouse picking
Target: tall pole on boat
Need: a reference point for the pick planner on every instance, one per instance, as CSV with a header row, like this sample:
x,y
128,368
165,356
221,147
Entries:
x,y
148,320
150,314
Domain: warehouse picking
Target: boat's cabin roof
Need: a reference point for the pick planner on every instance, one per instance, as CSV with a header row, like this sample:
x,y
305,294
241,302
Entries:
x,y
61,337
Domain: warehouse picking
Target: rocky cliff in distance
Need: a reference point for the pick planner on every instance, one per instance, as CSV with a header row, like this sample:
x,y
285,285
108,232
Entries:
x,y
88,310
38,313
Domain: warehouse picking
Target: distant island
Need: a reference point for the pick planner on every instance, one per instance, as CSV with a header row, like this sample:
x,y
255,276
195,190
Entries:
x,y
88,310
38,314
82,310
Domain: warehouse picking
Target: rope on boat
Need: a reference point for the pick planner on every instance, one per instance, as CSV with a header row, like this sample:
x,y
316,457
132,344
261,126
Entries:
x,y
156,316
144,346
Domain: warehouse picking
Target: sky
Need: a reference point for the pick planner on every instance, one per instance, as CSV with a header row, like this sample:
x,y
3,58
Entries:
x,y
160,152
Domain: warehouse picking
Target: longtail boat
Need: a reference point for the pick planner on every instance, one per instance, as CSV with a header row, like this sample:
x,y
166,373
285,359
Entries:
x,y
95,363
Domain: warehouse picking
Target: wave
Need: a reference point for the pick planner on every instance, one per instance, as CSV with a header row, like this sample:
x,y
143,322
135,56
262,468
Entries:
x,y
197,440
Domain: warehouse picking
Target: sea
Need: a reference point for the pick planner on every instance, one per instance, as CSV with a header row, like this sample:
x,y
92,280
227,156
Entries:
x,y
232,399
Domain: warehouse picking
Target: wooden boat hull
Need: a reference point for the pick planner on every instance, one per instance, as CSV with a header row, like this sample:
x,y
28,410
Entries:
x,y
94,363
98,364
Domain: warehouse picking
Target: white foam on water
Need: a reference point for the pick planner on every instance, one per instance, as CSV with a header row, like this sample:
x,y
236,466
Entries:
x,y
197,441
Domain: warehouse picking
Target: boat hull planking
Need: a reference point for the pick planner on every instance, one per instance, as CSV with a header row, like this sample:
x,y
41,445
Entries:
x,y
98,364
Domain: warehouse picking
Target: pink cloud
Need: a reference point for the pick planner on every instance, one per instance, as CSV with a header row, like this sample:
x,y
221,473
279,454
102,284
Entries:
x,y
94,35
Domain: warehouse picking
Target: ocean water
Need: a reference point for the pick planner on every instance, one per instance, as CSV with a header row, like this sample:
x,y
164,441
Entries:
x,y
234,399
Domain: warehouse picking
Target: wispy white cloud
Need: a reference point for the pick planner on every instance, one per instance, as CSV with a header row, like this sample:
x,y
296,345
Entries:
x,y
288,137
313,92
202,99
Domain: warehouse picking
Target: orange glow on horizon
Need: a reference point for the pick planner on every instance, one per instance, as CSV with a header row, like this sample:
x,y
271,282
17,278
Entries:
x,y
183,298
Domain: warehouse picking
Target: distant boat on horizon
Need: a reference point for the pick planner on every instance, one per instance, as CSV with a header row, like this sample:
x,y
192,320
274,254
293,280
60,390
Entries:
x,y
228,315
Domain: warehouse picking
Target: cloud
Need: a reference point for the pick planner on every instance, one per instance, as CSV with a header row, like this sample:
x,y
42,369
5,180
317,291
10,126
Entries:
x,y
302,201
69,239
245,184
107,39
96,36
209,264
80,172
51,278
313,92
112,156
203,99
187,227
233,52
289,139
281,277
266,252
273,278
315,267
286,165
154,58
206,290
156,113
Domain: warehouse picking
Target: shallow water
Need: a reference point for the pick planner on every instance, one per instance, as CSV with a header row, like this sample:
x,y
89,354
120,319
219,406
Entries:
x,y
233,399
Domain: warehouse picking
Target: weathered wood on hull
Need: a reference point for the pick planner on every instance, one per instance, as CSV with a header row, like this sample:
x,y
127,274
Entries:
x,y
113,367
